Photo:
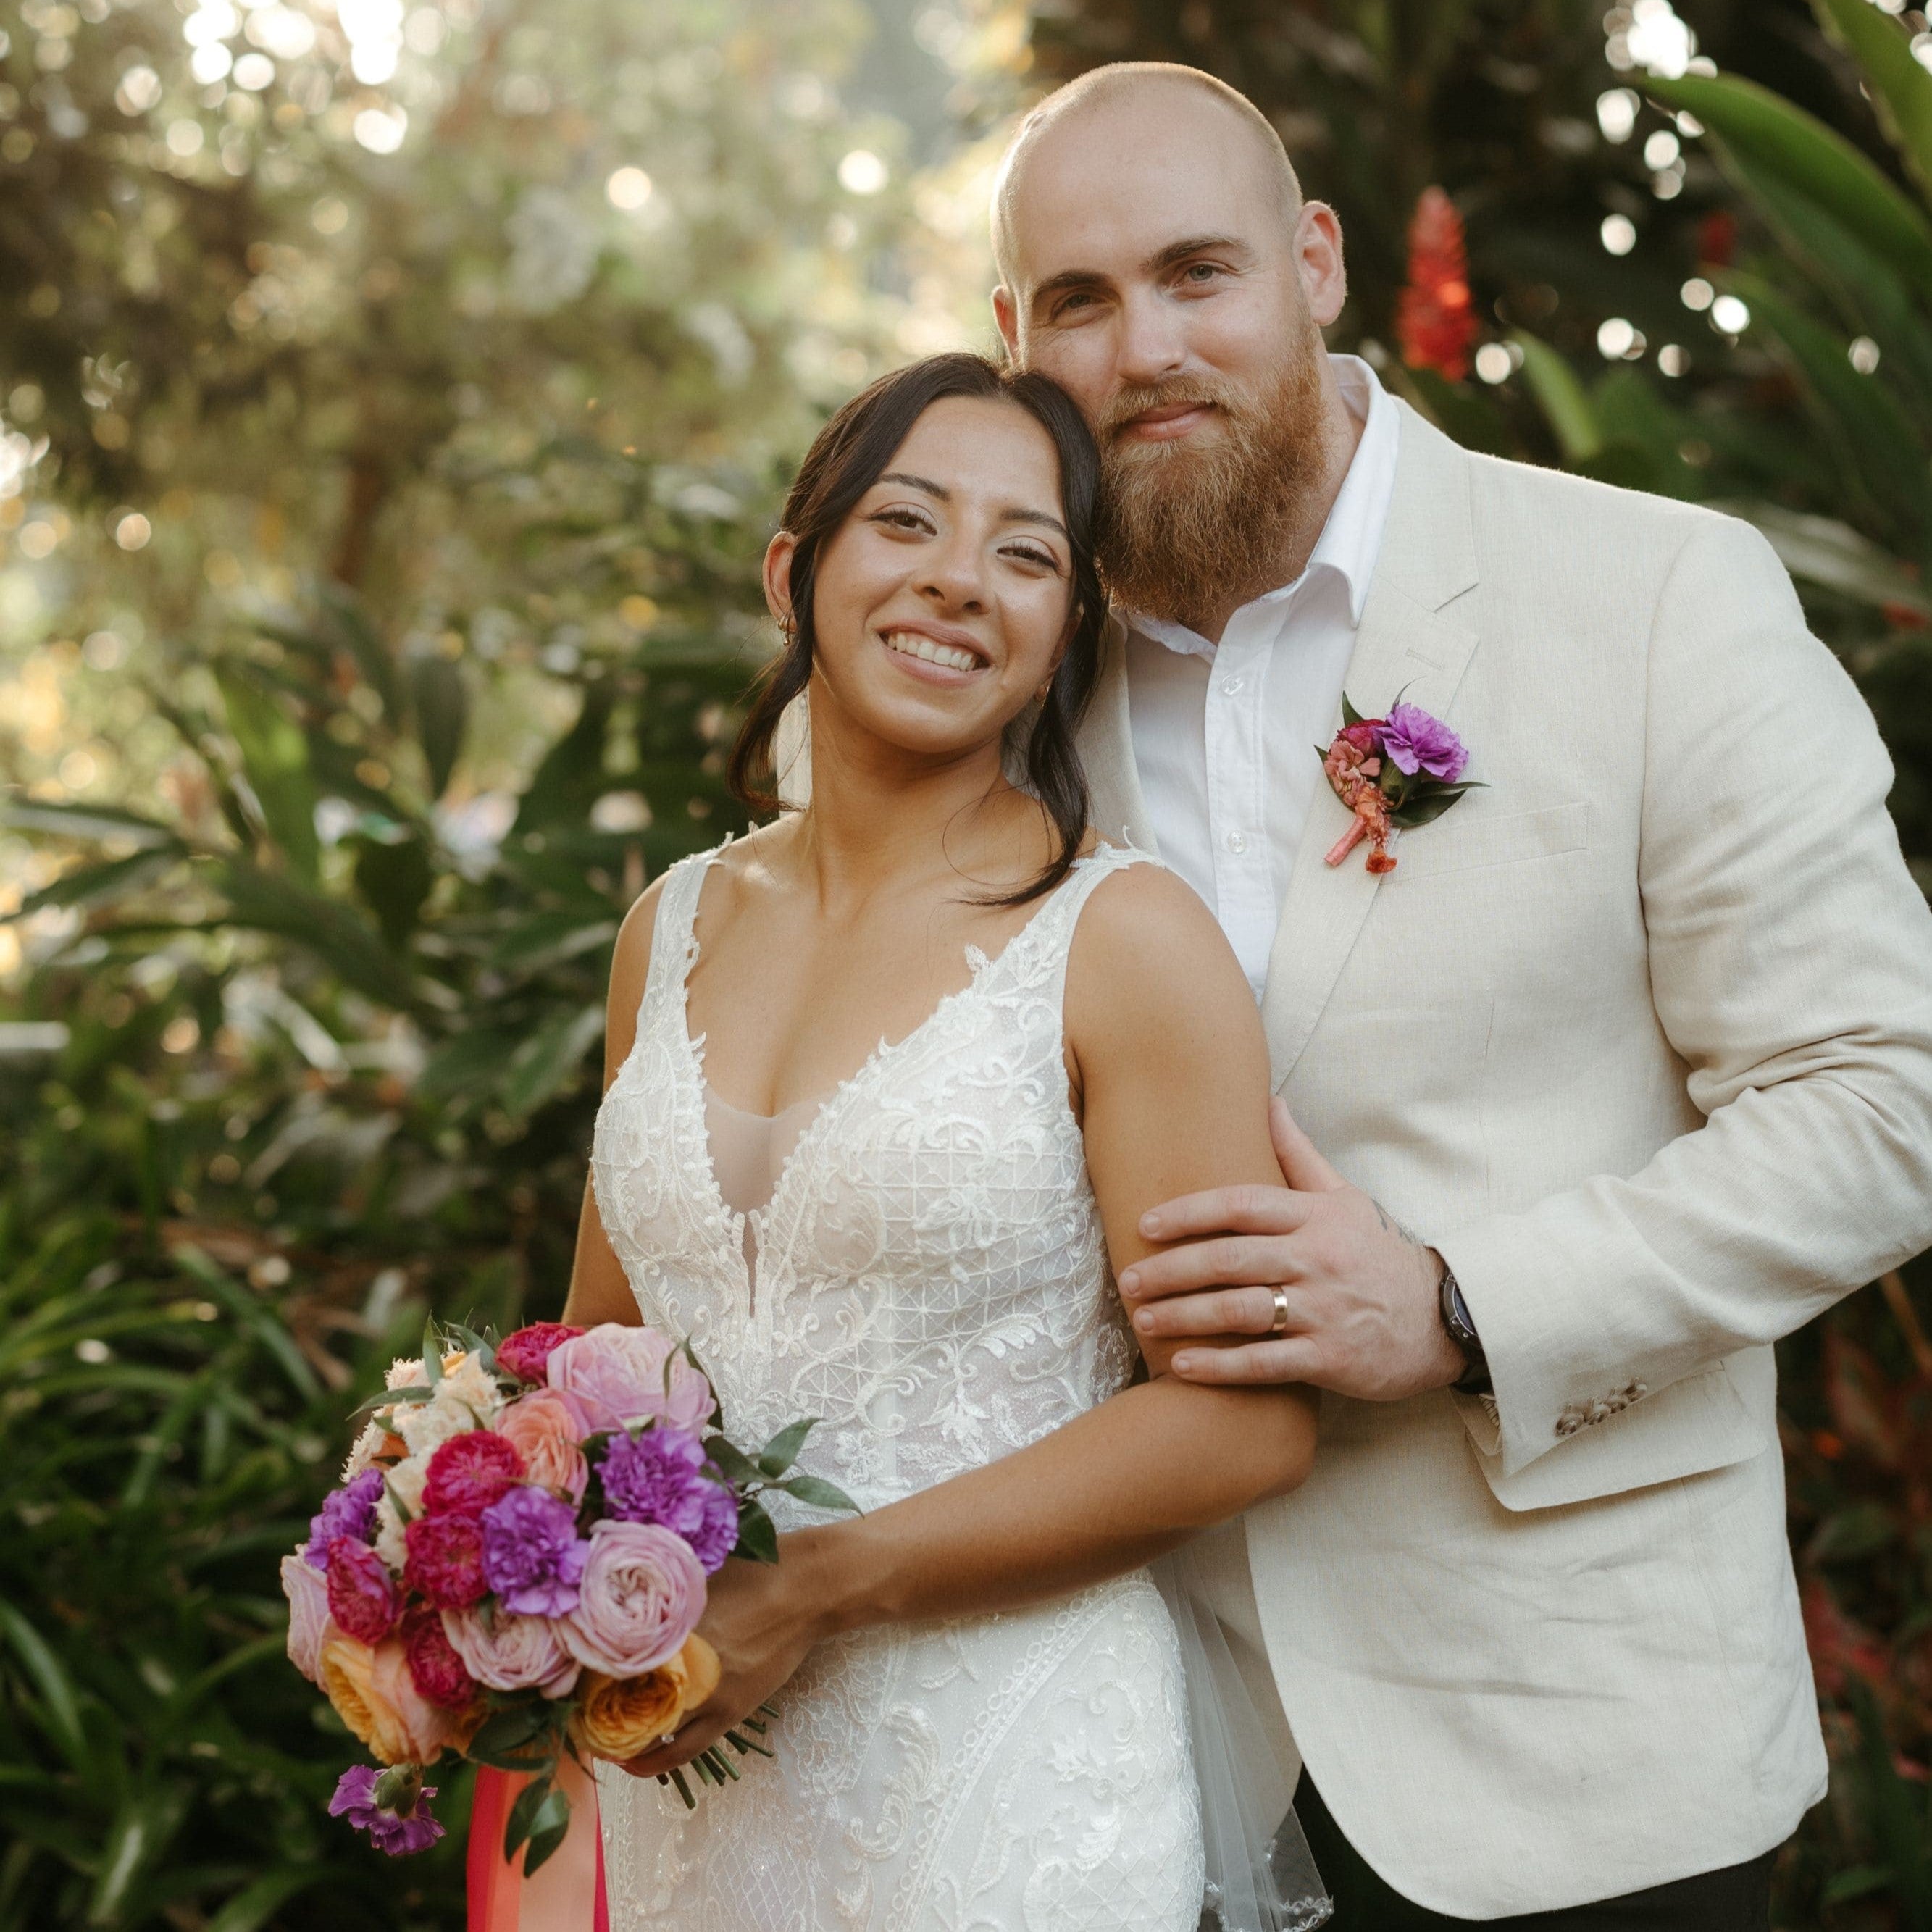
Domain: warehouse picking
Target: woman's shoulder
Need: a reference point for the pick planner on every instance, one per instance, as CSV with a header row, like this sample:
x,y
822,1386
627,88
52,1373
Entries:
x,y
1146,941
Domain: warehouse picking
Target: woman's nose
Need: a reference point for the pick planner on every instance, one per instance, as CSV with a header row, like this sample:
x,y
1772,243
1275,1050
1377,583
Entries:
x,y
954,578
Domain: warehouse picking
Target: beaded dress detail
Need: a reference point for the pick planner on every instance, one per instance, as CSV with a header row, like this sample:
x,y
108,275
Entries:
x,y
931,1280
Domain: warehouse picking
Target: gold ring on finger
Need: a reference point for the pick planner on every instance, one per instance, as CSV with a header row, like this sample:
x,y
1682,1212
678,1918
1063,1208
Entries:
x,y
1279,1326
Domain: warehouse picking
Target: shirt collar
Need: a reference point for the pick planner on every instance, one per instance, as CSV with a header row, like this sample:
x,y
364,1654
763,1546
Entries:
x,y
1352,539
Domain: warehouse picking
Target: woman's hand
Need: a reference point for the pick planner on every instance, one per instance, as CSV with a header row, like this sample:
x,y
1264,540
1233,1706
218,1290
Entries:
x,y
762,1619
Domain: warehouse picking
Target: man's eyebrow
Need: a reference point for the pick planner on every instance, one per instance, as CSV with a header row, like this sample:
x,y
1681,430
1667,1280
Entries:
x,y
1013,514
1069,279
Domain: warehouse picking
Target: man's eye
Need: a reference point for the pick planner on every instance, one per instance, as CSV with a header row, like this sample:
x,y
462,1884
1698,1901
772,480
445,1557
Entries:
x,y
1201,272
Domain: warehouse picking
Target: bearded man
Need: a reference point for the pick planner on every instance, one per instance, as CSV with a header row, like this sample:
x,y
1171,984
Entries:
x,y
1636,1040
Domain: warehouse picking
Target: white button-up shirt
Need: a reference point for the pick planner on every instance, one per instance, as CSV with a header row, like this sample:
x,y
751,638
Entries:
x,y
1224,736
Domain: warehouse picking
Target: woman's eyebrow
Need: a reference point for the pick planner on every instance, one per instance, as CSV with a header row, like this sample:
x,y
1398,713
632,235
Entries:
x,y
1013,514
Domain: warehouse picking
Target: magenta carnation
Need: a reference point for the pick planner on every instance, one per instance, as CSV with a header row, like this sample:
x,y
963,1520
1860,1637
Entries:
x,y
469,1472
526,1353
396,1833
349,1511
532,1555
445,1562
436,1669
660,1478
1413,741
362,1597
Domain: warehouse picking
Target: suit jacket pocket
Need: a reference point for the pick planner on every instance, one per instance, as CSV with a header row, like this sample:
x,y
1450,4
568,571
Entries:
x,y
1454,843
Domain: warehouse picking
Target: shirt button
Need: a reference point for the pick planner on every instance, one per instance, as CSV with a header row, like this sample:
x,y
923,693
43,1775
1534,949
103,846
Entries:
x,y
1237,842
1229,685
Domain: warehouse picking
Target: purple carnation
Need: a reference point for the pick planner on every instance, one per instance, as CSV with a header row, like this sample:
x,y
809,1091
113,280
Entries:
x,y
1413,741
395,1833
350,1512
533,1556
659,1478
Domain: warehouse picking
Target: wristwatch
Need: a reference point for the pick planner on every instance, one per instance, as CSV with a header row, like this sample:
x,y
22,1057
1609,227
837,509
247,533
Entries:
x,y
1474,1379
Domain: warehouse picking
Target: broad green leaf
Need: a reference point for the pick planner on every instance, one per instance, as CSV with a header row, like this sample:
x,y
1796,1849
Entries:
x,y
85,821
730,1460
547,1830
758,1535
1561,396
1901,89
782,1451
336,934
251,1908
1758,131
1824,551
442,703
549,1057
274,753
820,1494
88,883
395,877
529,1801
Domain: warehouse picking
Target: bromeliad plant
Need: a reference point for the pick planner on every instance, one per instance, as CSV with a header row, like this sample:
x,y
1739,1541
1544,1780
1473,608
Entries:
x,y
514,1568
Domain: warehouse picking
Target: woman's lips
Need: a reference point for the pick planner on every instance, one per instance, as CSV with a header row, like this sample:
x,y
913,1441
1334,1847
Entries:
x,y
931,660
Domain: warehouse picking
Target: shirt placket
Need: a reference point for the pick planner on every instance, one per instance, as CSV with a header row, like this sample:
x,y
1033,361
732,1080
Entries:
x,y
1237,818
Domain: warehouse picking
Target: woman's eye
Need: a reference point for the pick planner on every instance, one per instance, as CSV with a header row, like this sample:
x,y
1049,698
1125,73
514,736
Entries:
x,y
1026,553
902,519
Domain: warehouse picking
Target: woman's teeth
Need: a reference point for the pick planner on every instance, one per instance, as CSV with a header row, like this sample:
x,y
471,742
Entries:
x,y
915,645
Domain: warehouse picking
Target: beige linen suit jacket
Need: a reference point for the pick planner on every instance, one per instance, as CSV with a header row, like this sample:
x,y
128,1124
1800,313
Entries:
x,y
1640,1037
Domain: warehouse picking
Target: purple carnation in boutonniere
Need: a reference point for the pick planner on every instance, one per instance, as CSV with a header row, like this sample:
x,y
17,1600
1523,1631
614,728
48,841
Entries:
x,y
1404,769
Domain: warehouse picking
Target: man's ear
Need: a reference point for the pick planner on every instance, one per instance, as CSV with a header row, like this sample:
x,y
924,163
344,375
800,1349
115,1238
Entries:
x,y
1005,319
778,577
1317,261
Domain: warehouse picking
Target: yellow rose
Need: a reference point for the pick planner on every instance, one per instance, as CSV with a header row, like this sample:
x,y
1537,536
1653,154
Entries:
x,y
373,1695
622,1717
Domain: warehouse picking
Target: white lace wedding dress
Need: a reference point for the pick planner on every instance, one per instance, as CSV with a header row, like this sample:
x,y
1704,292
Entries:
x,y
929,1276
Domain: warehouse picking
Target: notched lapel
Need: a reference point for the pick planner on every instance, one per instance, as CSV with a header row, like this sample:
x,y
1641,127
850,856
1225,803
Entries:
x,y
1412,643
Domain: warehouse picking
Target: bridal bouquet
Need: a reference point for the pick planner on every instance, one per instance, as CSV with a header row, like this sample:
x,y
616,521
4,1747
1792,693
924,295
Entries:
x,y
515,1565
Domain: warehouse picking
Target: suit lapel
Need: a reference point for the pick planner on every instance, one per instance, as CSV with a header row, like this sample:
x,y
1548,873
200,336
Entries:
x,y
1117,811
1407,644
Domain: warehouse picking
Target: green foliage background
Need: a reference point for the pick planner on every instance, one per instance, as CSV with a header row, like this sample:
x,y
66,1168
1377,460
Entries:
x,y
387,440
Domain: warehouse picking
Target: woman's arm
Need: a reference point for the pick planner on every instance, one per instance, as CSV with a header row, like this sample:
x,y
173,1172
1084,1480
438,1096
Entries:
x,y
598,1290
1170,1065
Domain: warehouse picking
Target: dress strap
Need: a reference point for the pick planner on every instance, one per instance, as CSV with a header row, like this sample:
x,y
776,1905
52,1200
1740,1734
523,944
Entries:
x,y
1048,938
673,938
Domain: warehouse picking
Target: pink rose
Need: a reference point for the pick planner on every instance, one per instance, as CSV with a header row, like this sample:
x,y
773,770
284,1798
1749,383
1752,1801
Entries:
x,y
641,1596
362,1596
508,1652
545,1429
526,1352
309,1627
374,1696
618,1375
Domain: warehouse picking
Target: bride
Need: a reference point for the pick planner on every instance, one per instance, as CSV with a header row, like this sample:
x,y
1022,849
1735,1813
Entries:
x,y
891,1081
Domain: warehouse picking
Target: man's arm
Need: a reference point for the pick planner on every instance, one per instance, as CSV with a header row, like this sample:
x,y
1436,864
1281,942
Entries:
x,y
1791,967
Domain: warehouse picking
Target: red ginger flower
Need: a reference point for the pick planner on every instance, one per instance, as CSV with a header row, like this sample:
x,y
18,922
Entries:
x,y
526,1353
445,1562
438,1672
469,1472
1435,320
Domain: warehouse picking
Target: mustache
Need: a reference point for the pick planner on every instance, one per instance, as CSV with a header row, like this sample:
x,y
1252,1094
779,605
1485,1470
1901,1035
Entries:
x,y
1139,399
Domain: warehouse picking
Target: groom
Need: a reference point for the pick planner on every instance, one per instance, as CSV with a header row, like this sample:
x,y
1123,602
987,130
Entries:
x,y
1636,1040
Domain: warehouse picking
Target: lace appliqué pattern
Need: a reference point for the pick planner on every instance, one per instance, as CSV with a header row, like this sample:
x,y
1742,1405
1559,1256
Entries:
x,y
932,1281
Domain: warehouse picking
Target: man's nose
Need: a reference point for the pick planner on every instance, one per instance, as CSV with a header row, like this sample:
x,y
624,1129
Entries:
x,y
1152,344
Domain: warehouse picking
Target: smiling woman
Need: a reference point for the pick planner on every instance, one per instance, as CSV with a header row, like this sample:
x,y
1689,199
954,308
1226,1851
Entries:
x,y
990,470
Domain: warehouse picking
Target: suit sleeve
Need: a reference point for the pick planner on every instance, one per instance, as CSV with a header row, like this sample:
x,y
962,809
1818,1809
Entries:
x,y
1791,967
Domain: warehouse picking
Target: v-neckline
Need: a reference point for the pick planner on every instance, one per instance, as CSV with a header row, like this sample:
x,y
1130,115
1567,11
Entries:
x,y
979,964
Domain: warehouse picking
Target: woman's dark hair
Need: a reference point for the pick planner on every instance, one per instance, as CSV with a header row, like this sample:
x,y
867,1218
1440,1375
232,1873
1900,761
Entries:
x,y
848,457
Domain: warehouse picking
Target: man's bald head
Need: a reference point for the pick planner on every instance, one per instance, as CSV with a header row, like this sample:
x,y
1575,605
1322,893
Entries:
x,y
1140,95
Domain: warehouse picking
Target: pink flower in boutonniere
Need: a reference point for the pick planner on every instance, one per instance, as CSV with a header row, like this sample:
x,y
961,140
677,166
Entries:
x,y
1401,770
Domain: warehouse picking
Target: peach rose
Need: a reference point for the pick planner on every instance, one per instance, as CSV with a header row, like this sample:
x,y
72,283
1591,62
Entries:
x,y
622,1717
547,1427
375,1697
307,1590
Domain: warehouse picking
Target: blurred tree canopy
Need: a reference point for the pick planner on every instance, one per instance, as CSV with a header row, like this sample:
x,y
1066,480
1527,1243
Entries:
x,y
395,400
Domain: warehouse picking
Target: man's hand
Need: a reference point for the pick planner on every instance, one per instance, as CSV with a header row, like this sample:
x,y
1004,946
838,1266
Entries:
x,y
1363,1314
761,1619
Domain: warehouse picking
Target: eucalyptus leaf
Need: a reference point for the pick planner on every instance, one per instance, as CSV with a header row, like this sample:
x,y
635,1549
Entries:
x,y
758,1535
782,1451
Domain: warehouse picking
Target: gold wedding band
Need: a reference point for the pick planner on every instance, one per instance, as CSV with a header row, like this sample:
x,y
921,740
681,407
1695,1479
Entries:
x,y
1279,1326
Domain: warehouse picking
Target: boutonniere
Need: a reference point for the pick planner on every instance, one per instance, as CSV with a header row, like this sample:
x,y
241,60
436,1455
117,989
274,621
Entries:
x,y
1403,769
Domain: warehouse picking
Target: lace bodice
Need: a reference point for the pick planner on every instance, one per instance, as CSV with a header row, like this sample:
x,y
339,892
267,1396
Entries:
x,y
931,1278
932,1282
